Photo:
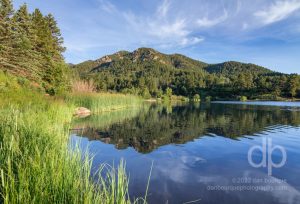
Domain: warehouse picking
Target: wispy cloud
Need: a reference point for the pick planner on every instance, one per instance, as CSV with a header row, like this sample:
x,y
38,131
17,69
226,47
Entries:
x,y
107,6
278,10
206,22
164,31
163,9
191,41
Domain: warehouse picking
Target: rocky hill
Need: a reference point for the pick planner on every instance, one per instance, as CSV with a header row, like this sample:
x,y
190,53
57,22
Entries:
x,y
148,72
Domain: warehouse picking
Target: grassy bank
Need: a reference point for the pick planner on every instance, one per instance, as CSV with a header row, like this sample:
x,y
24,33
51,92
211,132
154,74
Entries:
x,y
101,102
36,165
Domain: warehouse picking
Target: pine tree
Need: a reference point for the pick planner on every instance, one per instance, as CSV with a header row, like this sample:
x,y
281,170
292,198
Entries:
x,y
23,25
6,11
27,60
40,30
56,38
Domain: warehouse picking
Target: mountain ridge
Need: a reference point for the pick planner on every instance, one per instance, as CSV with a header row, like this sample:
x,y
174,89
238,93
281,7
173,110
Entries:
x,y
150,73
176,60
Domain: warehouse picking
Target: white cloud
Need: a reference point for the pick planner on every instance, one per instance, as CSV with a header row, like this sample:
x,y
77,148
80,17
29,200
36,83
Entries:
x,y
166,30
279,10
191,41
205,22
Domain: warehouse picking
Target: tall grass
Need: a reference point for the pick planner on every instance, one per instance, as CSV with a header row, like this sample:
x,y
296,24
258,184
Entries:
x,y
36,165
81,86
101,102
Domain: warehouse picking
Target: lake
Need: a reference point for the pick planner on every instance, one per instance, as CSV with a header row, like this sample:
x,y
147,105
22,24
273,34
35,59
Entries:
x,y
227,153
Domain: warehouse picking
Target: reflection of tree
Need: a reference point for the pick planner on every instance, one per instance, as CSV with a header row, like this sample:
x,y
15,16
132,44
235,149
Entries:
x,y
156,126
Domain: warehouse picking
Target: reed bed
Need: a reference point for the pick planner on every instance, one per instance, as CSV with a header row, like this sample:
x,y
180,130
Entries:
x,y
101,102
36,163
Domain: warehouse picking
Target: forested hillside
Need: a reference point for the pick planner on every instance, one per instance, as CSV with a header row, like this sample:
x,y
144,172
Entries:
x,y
150,73
31,47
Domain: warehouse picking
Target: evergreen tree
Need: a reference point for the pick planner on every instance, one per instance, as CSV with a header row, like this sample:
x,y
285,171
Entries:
x,y
27,59
6,11
56,38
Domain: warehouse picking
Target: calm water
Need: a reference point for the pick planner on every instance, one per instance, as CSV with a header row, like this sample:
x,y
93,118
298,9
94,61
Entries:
x,y
200,152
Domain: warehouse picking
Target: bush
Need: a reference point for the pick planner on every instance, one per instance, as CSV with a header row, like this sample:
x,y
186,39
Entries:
x,y
159,93
169,92
179,98
243,98
196,97
146,94
208,98
165,98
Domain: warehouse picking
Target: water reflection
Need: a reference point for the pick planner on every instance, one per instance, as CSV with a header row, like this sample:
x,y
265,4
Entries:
x,y
158,125
199,151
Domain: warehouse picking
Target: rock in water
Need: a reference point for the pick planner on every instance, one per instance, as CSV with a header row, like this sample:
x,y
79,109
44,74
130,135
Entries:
x,y
82,112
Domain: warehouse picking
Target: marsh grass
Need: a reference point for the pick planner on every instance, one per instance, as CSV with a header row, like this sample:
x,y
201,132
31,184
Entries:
x,y
36,163
101,102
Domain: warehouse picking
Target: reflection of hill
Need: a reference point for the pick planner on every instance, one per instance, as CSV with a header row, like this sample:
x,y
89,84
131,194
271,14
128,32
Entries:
x,y
159,126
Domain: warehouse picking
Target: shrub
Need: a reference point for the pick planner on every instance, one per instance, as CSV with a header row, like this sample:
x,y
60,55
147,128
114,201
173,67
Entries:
x,y
196,97
208,98
146,94
169,92
243,98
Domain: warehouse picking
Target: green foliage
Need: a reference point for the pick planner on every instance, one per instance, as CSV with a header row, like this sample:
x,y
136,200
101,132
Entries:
x,y
31,47
293,85
196,98
208,99
57,79
169,92
233,69
243,98
159,93
146,94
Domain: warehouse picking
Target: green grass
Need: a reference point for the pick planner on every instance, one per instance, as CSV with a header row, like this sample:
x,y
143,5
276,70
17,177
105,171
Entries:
x,y
36,163
101,102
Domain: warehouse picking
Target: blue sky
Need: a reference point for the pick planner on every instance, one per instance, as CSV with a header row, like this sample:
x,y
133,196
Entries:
x,y
264,32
